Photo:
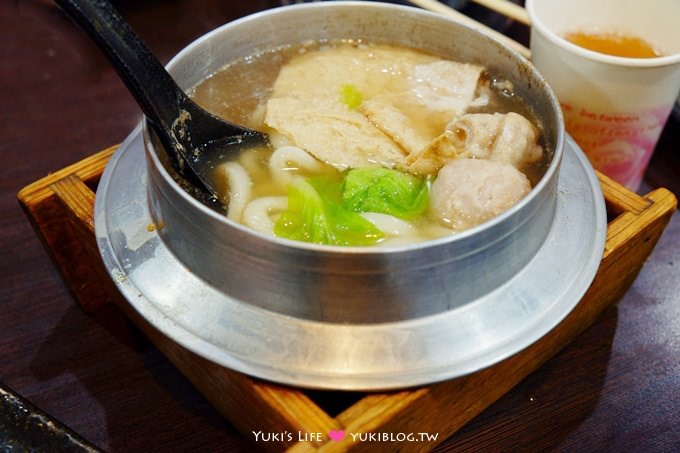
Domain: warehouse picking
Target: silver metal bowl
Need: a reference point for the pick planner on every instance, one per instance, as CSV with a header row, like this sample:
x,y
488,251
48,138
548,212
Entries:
x,y
351,318
355,284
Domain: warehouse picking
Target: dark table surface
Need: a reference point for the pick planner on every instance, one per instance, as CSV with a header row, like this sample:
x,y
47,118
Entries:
x,y
616,388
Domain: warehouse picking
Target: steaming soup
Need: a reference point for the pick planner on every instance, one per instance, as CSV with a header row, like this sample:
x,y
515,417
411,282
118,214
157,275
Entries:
x,y
372,144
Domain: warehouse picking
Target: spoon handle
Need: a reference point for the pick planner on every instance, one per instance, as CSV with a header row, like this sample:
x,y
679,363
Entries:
x,y
152,86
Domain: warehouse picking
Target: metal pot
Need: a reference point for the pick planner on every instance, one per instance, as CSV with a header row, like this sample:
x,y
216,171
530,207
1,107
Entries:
x,y
354,284
351,318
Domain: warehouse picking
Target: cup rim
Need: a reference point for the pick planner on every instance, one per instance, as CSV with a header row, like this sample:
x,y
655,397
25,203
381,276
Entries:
x,y
591,55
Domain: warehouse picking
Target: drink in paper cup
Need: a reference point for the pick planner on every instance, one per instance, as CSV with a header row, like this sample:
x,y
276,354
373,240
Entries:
x,y
615,67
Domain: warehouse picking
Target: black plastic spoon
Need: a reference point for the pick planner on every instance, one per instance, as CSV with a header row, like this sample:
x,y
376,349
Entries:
x,y
193,138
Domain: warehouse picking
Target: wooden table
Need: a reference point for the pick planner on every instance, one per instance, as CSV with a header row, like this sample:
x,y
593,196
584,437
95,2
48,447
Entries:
x,y
615,388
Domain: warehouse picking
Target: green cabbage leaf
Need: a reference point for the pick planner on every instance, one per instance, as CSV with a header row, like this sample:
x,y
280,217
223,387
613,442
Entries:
x,y
378,189
316,214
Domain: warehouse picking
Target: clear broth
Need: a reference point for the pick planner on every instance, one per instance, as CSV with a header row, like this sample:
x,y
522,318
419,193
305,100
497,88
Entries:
x,y
240,90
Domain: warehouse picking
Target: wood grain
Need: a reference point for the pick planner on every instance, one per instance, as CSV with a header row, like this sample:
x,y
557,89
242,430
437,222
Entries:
x,y
441,408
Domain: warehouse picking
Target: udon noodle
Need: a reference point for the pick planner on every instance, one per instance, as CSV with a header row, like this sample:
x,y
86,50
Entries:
x,y
372,144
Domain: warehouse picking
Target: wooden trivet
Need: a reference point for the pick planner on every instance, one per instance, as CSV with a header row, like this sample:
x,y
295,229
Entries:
x,y
61,205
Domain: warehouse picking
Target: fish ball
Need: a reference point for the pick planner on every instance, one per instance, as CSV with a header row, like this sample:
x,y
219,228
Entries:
x,y
468,192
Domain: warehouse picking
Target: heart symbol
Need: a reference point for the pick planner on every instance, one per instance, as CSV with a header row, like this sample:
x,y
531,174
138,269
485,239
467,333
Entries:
x,y
336,434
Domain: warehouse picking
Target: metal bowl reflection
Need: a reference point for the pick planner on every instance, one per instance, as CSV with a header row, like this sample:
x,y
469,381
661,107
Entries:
x,y
351,318
354,284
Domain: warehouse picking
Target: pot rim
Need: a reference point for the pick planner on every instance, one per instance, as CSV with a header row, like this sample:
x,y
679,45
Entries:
x,y
549,174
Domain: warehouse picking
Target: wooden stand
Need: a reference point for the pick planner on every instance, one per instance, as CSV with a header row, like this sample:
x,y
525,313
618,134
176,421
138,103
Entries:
x,y
60,206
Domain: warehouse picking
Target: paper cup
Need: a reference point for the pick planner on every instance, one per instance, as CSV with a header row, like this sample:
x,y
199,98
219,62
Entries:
x,y
614,107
